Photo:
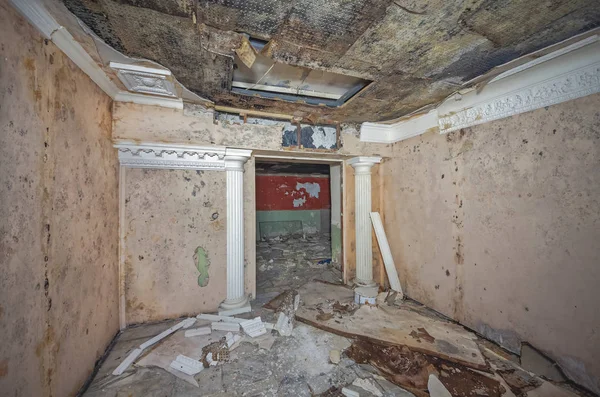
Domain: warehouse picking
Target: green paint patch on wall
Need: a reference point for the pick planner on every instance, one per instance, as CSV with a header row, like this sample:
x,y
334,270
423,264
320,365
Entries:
x,y
202,263
336,244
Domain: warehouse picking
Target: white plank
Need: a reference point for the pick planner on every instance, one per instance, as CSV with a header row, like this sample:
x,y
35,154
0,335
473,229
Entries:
x,y
386,253
127,362
188,322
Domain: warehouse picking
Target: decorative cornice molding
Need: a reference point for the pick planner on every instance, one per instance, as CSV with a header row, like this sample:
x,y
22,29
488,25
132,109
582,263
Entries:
x,y
568,73
145,80
575,84
404,129
156,155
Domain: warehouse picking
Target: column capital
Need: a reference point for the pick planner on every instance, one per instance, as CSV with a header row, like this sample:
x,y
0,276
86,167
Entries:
x,y
235,159
363,164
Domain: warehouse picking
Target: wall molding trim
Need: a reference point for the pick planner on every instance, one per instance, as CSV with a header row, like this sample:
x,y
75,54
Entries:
x,y
568,73
145,80
172,156
167,156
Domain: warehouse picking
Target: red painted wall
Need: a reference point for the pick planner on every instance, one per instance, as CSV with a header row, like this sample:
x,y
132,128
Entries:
x,y
275,192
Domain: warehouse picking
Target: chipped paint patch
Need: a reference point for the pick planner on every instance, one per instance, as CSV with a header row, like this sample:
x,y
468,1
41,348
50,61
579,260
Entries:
x,y
299,202
202,264
312,188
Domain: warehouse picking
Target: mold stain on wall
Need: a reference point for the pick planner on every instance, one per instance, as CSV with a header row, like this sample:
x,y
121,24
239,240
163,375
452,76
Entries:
x,y
58,205
202,264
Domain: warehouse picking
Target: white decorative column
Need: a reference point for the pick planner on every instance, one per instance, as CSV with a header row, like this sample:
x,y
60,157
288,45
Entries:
x,y
237,300
362,209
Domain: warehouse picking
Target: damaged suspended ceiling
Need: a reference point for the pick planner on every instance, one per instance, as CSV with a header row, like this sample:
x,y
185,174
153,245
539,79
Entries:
x,y
407,53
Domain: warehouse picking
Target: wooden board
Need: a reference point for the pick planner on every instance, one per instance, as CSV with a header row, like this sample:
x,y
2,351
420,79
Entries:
x,y
390,325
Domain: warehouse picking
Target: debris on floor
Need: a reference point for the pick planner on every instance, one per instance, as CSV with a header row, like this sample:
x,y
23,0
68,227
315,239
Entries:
x,y
388,325
289,262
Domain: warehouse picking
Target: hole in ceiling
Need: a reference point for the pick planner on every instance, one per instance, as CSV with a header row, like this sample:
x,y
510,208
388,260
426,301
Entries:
x,y
255,74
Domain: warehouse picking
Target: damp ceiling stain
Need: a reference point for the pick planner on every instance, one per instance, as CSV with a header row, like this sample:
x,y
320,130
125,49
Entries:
x,y
414,52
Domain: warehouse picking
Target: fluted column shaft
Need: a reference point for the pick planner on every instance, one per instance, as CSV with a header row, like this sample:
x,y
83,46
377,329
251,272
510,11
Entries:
x,y
362,209
234,168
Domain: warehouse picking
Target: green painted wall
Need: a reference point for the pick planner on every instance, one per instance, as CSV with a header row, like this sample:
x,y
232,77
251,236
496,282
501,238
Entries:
x,y
283,223
336,243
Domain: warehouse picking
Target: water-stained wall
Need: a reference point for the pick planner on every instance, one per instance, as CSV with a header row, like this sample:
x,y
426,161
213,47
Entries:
x,y
497,226
175,243
58,217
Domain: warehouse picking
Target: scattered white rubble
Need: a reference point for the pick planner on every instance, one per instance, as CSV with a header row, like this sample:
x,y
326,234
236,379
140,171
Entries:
x,y
188,322
284,325
232,340
198,332
223,326
187,365
254,327
209,359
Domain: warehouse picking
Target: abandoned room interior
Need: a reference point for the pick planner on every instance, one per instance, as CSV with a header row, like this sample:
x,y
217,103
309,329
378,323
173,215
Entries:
x,y
300,198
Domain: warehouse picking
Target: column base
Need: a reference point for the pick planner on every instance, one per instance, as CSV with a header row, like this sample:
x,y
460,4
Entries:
x,y
364,283
240,305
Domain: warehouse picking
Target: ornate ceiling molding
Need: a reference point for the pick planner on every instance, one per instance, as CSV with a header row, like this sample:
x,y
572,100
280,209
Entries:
x,y
145,80
576,84
163,156
557,77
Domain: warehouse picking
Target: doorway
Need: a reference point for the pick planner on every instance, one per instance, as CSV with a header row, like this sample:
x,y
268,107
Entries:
x,y
298,224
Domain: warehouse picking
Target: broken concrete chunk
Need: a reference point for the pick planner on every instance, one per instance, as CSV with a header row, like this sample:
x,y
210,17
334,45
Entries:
x,y
187,365
284,325
127,362
254,327
223,326
368,385
232,340
334,356
436,388
198,332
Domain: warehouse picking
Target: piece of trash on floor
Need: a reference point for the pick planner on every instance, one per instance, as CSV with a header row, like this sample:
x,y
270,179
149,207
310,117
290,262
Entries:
x,y
214,353
366,295
187,365
334,356
286,317
324,261
232,340
436,388
198,332
254,327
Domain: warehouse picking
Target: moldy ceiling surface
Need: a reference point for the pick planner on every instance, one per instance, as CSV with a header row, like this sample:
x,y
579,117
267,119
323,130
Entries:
x,y
416,52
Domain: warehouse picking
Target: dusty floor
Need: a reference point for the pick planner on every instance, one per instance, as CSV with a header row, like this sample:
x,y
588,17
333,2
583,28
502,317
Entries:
x,y
300,365
289,262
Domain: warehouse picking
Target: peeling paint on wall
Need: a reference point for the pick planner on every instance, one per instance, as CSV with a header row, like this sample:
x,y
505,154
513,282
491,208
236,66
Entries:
x,y
318,137
299,202
202,264
312,188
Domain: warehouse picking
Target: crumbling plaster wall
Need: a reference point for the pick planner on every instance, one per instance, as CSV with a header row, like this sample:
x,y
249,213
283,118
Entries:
x,y
497,226
59,217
